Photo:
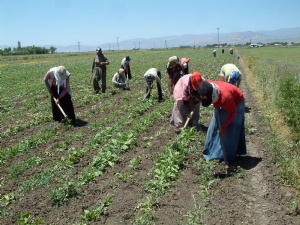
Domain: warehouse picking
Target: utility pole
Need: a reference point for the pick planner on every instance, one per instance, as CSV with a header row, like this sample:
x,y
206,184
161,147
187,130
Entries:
x,y
218,37
118,43
166,44
78,46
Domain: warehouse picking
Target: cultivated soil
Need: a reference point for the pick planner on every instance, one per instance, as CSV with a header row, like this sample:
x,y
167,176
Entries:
x,y
254,195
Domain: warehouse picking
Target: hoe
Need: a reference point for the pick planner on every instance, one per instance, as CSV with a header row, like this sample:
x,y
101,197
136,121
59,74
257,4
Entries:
x,y
60,108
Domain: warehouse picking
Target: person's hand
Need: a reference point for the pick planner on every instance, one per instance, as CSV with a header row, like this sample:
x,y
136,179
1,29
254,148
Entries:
x,y
103,63
222,132
164,94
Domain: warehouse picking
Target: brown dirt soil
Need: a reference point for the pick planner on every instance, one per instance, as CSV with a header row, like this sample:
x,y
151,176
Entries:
x,y
256,195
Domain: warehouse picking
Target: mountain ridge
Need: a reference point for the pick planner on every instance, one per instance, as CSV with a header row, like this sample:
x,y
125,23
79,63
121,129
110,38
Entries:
x,y
264,36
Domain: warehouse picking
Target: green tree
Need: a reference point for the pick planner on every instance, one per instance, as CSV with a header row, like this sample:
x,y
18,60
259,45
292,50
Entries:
x,y
52,49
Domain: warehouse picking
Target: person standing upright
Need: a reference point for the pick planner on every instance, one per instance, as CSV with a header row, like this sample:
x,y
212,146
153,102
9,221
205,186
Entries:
x,y
99,71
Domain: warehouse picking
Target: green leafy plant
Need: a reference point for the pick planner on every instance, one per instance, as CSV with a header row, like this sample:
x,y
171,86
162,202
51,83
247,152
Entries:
x,y
135,162
63,193
95,214
25,220
125,176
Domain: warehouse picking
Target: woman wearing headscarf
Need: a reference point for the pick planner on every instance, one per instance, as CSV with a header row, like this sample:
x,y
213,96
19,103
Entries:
x,y
229,104
187,100
231,74
184,62
174,72
57,81
125,64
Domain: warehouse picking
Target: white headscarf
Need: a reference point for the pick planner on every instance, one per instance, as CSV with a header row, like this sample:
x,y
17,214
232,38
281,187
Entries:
x,y
216,93
61,75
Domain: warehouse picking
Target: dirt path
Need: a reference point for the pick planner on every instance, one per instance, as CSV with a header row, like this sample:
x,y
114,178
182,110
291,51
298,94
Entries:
x,y
255,195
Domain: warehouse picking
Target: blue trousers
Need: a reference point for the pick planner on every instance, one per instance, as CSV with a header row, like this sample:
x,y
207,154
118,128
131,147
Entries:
x,y
234,139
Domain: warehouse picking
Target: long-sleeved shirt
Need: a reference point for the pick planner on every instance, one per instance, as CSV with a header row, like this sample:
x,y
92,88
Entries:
x,y
226,71
98,59
230,97
183,89
118,79
126,66
153,73
63,88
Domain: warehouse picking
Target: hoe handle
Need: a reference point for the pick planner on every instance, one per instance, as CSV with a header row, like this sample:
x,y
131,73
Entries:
x,y
188,119
62,111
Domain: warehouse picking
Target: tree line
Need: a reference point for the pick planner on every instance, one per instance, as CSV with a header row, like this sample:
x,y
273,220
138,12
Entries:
x,y
28,50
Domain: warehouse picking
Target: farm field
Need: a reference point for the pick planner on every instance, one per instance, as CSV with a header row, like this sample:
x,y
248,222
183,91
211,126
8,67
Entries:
x,y
125,163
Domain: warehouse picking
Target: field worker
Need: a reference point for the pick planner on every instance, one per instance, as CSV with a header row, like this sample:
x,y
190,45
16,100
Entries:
x,y
119,79
151,75
229,104
231,51
57,81
184,62
187,99
231,74
214,52
99,71
174,72
125,64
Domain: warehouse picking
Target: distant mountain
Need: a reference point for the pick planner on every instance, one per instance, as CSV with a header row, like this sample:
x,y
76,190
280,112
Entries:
x,y
265,36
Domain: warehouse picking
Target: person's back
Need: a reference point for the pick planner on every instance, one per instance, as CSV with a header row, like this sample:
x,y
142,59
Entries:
x,y
231,74
184,62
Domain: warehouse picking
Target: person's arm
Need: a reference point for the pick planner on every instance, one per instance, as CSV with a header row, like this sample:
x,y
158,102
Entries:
x,y
106,61
170,83
66,88
93,65
46,81
239,81
114,80
222,76
231,109
159,83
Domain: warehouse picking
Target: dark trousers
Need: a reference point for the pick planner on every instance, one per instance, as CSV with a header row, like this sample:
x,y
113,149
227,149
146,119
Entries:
x,y
159,90
65,103
99,74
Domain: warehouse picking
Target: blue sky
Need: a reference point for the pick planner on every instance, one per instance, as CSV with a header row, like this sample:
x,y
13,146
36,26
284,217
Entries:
x,y
96,22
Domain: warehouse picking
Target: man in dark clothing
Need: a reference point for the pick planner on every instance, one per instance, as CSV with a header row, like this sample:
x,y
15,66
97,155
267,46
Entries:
x,y
99,71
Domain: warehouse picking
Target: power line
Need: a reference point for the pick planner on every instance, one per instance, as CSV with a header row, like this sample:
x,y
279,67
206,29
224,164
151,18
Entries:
x,y
118,42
